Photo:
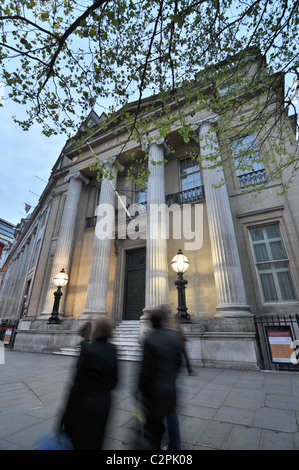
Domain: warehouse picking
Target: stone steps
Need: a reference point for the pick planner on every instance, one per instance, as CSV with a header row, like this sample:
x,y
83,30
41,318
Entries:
x,y
68,351
126,339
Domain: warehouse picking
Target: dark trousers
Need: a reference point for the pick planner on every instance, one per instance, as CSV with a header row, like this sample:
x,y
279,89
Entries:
x,y
173,431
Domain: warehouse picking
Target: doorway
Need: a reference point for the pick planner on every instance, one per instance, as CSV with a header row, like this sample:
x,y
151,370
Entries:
x,y
134,294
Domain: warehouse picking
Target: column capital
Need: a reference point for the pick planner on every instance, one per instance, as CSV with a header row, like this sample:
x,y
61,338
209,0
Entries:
x,y
76,175
113,162
159,142
209,120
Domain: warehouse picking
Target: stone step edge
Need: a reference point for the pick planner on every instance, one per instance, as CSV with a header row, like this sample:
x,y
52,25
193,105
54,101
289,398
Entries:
x,y
124,355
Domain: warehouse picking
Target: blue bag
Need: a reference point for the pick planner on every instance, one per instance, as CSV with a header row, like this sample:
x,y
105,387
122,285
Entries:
x,y
52,441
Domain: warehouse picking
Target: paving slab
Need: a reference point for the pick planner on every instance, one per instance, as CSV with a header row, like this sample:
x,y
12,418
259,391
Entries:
x,y
215,434
242,398
271,440
228,414
218,409
276,420
243,437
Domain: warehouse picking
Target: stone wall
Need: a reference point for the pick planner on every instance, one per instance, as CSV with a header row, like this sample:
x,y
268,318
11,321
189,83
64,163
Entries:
x,y
211,342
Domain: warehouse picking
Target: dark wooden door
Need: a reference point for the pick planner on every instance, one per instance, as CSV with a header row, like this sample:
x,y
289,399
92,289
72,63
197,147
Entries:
x,y
134,284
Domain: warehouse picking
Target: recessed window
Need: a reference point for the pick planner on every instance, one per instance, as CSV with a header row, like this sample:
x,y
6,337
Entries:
x,y
190,178
249,166
140,194
227,89
272,264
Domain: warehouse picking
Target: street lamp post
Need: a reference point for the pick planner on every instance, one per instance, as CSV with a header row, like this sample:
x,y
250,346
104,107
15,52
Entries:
x,y
60,280
180,264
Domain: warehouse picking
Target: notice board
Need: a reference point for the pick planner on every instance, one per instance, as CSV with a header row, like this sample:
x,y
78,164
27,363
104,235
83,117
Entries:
x,y
280,342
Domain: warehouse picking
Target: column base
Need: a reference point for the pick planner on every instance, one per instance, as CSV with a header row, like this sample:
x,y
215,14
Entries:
x,y
92,313
233,310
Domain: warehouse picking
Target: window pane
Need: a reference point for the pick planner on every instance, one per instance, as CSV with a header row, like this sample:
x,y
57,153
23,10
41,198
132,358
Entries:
x,y
264,266
187,165
246,154
277,250
190,174
276,279
256,234
281,265
190,181
140,194
268,287
245,144
260,251
286,286
273,231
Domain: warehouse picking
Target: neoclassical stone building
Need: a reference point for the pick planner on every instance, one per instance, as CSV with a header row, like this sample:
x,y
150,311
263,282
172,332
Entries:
x,y
242,250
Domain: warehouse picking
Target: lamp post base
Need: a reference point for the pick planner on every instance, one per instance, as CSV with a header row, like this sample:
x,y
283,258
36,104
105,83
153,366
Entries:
x,y
183,315
180,284
54,318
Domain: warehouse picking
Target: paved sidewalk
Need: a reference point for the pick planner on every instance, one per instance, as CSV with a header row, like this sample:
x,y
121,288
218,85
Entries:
x,y
219,409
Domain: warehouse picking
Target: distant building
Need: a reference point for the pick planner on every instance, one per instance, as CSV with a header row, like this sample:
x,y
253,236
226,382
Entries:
x,y
6,234
243,251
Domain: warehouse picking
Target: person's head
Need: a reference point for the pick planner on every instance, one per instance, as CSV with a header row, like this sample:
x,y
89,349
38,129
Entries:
x,y
102,329
85,331
159,316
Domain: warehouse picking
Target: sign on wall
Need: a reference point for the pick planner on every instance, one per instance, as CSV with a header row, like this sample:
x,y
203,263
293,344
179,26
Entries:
x,y
280,342
7,336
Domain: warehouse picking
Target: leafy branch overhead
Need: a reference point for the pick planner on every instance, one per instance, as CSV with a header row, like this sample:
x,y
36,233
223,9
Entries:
x,y
62,58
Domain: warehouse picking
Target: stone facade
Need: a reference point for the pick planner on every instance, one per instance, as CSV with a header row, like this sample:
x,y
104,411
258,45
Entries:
x,y
225,285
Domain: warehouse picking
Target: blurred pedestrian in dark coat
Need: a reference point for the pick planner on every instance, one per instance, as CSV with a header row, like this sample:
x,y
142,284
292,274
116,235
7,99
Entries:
x,y
89,402
162,351
85,331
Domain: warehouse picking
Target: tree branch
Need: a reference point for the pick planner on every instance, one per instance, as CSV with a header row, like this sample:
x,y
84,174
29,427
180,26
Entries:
x,y
64,38
23,18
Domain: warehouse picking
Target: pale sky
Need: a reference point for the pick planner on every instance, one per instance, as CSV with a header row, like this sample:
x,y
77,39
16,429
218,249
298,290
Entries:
x,y
26,158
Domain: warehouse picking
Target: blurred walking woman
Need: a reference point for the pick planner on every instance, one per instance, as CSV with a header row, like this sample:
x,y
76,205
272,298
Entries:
x,y
89,402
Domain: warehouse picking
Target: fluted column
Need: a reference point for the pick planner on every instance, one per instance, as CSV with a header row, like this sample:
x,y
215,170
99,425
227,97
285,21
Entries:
x,y
227,267
156,287
65,239
20,281
5,288
156,283
98,284
8,289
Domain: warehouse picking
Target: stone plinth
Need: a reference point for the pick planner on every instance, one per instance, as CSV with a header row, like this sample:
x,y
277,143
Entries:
x,y
222,342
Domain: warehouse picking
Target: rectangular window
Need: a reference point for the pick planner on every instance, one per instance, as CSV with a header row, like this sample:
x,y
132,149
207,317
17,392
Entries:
x,y
190,178
249,167
140,194
228,89
272,264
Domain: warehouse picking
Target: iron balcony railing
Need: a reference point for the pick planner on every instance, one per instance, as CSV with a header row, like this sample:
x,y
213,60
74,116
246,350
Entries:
x,y
254,177
186,196
182,197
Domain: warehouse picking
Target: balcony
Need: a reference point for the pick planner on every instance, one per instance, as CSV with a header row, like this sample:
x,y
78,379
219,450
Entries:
x,y
182,197
254,177
186,196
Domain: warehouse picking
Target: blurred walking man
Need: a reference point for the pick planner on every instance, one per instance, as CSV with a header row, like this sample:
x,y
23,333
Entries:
x,y
162,353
